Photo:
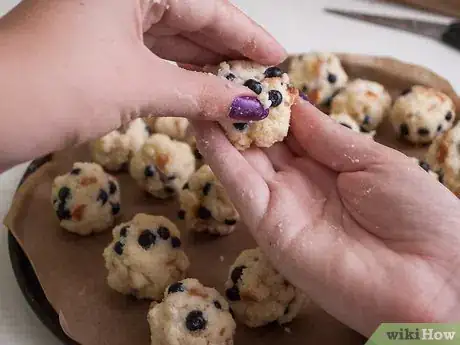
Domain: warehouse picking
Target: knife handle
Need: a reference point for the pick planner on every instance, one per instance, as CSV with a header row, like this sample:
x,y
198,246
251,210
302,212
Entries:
x,y
452,35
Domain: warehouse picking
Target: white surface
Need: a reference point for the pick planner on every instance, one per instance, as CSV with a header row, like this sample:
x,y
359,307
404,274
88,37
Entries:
x,y
300,26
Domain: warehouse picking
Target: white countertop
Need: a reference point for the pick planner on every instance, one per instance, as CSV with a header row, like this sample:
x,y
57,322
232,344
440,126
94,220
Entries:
x,y
300,26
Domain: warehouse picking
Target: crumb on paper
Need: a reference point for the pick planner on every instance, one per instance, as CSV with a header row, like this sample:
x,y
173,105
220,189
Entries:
x,y
287,330
221,258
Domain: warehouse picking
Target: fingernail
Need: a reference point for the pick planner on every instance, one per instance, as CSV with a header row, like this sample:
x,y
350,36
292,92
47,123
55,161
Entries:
x,y
303,96
247,108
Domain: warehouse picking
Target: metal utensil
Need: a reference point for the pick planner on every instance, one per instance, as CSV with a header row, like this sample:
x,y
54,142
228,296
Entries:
x,y
446,33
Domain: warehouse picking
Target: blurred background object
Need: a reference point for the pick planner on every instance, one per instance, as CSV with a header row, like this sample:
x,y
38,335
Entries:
x,y
445,7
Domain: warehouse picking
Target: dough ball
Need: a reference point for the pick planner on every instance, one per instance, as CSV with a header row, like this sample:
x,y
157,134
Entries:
x,y
275,94
318,75
205,205
145,256
444,156
174,127
162,166
86,199
115,149
421,113
191,314
347,121
258,294
366,101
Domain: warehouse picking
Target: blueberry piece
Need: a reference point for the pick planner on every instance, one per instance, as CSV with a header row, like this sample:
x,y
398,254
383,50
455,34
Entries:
x,y
366,120
112,187
146,239
75,171
254,85
230,76
103,196
195,321
423,131
237,273
169,190
186,186
148,130
240,126
64,193
331,78
207,188
204,213
329,100
449,116
171,177
115,208
406,91
440,176
124,231
273,72
404,129
439,129
276,97
233,294
149,171
176,287
181,214
62,212
217,305
424,165
197,154
175,242
230,221
345,125
163,232
118,248
305,88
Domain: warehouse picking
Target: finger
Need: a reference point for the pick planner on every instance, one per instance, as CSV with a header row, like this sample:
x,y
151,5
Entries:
x,y
259,162
163,89
216,45
294,146
224,22
332,144
182,50
244,185
280,155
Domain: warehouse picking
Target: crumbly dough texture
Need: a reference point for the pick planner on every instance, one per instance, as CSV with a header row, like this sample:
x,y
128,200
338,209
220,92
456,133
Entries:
x,y
205,205
420,114
191,314
275,126
174,127
162,166
444,155
116,148
366,101
319,75
86,200
145,256
347,121
258,294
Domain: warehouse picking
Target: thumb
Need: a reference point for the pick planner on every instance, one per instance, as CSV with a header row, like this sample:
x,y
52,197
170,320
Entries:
x,y
165,89
333,145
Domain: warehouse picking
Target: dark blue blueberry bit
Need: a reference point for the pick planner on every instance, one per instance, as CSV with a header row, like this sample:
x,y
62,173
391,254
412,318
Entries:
x,y
64,193
112,187
237,273
404,129
230,221
115,208
233,294
273,72
331,78
103,196
186,186
217,305
207,188
305,89
275,97
195,321
124,231
440,176
176,287
149,171
197,154
449,116
345,125
424,165
366,120
204,213
75,171
439,129
169,190
230,76
62,212
175,242
148,130
171,177
118,248
423,131
181,214
406,91
240,126
254,85
163,232
146,239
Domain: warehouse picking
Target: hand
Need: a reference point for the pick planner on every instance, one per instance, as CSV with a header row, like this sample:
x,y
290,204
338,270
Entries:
x,y
80,68
363,230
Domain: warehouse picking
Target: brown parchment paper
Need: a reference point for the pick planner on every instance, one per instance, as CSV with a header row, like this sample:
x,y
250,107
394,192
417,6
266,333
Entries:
x,y
71,268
